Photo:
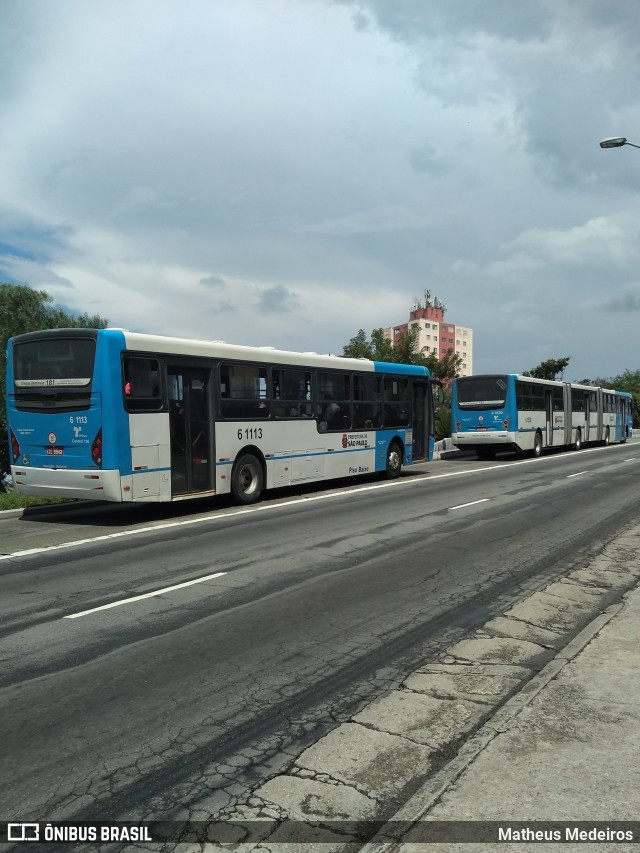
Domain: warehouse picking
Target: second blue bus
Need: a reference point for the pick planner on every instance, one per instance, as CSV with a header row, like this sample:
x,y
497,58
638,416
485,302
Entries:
x,y
490,413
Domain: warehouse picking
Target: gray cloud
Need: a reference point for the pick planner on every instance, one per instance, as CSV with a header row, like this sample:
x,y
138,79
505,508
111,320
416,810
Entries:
x,y
624,303
213,281
277,299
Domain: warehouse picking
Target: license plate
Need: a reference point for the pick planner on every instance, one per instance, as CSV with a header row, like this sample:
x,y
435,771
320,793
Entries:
x,y
54,451
481,429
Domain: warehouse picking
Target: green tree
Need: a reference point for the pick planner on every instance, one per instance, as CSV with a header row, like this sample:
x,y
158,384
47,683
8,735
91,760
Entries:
x,y
446,368
23,309
552,368
380,348
358,346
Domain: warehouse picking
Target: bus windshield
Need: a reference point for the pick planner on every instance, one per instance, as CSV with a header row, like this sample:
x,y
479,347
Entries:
x,y
485,392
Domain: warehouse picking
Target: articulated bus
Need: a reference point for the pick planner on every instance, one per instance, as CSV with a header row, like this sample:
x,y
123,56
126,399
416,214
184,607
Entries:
x,y
512,412
120,416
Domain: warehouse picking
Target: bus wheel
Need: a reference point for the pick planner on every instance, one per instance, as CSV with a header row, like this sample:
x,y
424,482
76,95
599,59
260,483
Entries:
x,y
606,437
247,479
394,460
578,442
537,445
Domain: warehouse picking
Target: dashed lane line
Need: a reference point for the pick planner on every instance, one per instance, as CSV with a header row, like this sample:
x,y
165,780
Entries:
x,y
471,503
145,595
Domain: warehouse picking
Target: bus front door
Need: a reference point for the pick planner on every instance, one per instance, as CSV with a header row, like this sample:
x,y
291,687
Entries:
x,y
548,407
190,430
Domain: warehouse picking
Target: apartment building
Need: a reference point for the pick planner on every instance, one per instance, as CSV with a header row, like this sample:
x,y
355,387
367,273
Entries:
x,y
437,335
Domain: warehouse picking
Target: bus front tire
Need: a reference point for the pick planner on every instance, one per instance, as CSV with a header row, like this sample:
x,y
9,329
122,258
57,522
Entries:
x,y
394,461
247,479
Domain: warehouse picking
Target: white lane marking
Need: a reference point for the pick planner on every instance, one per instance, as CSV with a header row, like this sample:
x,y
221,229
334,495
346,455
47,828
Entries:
x,y
471,503
395,484
577,474
145,595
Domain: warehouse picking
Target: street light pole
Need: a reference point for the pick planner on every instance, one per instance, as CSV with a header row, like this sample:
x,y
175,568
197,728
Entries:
x,y
616,142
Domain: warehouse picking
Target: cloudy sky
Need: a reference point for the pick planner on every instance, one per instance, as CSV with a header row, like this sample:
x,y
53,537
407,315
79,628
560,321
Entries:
x,y
285,172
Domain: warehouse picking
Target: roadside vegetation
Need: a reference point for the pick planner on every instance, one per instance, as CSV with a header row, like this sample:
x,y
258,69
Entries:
x,y
11,500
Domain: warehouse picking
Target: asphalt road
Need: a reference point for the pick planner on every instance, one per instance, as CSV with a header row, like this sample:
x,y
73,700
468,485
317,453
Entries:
x,y
158,659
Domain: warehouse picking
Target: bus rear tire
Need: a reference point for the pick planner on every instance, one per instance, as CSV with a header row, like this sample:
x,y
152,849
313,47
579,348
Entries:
x,y
578,442
537,445
394,461
247,479
607,438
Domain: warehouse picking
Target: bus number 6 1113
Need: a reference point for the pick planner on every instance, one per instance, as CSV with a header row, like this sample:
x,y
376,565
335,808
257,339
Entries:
x,y
253,432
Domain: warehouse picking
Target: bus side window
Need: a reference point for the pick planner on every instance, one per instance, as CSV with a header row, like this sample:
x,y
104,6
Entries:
x,y
141,384
291,393
396,402
243,391
334,401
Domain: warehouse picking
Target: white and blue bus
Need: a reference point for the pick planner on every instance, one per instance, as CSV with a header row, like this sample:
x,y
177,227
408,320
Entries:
x,y
120,416
513,412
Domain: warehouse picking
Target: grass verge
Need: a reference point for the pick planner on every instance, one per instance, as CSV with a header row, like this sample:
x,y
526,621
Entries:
x,y
11,500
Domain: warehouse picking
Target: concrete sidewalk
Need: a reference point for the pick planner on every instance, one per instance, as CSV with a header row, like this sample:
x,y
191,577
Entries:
x,y
566,748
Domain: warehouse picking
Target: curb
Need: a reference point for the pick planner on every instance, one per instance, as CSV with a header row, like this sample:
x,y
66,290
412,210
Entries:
x,y
11,513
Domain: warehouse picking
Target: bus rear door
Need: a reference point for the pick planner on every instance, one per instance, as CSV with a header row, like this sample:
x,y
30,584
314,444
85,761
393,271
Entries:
x,y
190,430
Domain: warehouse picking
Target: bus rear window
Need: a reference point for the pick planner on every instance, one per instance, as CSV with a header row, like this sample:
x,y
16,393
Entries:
x,y
54,362
486,392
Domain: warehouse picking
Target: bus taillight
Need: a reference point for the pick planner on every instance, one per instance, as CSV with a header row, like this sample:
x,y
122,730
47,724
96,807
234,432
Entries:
x,y
505,423
96,448
458,426
15,448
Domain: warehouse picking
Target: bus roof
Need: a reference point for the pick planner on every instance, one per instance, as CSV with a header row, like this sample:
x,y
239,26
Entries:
x,y
138,341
